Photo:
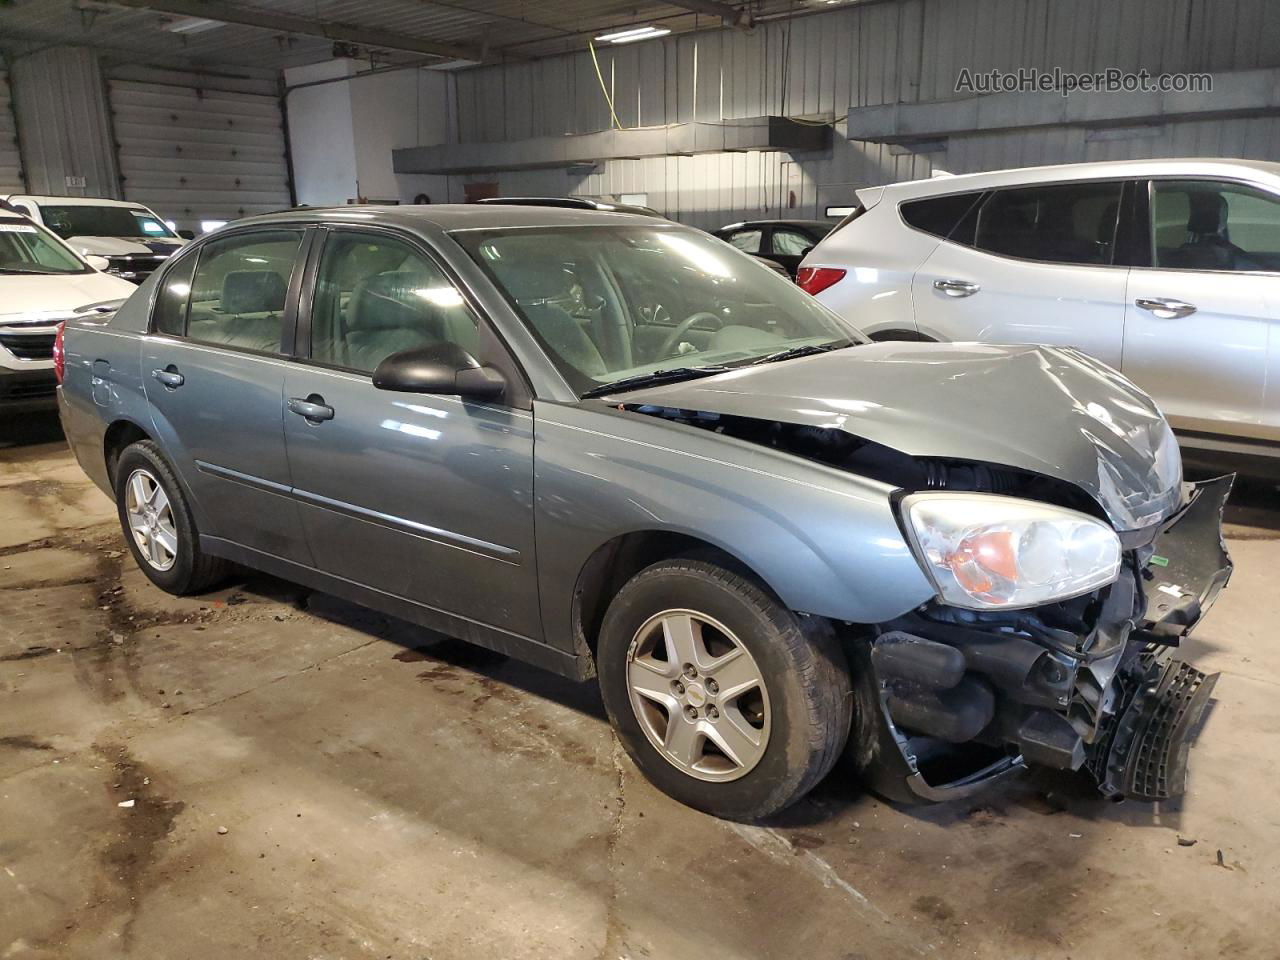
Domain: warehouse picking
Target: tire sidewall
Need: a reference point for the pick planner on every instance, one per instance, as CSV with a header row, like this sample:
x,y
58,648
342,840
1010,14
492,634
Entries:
x,y
769,784
143,456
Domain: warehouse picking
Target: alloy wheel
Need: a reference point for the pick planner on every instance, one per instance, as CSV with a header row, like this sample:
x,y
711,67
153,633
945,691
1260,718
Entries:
x,y
699,695
150,516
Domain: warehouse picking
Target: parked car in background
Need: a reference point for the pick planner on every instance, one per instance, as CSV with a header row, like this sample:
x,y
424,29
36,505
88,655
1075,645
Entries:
x,y
784,242
133,238
1167,270
766,536
42,283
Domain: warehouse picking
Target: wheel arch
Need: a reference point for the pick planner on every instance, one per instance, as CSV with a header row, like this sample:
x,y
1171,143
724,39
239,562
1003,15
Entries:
x,y
616,561
119,435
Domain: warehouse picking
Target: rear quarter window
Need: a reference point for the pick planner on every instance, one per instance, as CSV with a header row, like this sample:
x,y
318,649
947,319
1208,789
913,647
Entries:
x,y
940,216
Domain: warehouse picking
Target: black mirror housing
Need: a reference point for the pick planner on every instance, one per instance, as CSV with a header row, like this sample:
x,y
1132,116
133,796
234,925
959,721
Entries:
x,y
443,368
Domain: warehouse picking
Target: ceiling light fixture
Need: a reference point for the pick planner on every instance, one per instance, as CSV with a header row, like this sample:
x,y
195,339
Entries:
x,y
192,25
633,34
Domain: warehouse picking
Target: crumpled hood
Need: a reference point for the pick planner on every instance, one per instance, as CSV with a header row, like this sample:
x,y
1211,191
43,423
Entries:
x,y
1048,410
122,246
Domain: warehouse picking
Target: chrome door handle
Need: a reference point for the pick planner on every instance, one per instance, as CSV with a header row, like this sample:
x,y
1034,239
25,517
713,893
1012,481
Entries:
x,y
1166,308
956,288
170,377
313,409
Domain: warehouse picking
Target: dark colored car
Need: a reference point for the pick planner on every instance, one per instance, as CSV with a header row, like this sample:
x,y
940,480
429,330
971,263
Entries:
x,y
617,448
785,242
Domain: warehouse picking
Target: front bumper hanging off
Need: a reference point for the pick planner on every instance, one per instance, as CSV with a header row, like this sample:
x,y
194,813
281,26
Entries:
x,y
944,707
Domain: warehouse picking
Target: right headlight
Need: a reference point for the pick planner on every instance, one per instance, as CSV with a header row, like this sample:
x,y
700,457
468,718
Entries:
x,y
984,551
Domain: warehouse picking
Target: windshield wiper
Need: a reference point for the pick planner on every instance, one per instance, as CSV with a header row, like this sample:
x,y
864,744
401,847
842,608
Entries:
x,y
36,273
670,375
791,353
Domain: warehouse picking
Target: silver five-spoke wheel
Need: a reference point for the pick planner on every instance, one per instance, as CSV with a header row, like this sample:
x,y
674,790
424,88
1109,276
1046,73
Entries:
x,y
699,695
151,520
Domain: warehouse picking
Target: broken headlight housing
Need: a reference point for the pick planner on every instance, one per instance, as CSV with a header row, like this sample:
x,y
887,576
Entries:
x,y
987,552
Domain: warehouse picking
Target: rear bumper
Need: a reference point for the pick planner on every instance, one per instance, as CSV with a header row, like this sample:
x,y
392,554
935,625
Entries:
x,y
27,391
947,705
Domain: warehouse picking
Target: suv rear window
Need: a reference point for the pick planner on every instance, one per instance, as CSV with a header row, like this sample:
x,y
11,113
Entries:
x,y
938,216
1062,223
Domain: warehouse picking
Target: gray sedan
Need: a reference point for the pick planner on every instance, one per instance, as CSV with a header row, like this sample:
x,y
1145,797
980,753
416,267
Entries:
x,y
619,448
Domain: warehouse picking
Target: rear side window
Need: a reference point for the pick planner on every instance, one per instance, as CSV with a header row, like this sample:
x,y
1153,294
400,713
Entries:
x,y
748,241
1062,223
170,315
239,290
938,216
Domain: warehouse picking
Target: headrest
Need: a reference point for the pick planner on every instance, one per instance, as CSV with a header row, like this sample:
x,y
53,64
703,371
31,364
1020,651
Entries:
x,y
539,276
1208,216
252,291
388,301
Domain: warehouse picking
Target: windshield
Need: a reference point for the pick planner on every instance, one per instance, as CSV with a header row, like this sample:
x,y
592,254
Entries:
x,y
614,302
88,221
26,248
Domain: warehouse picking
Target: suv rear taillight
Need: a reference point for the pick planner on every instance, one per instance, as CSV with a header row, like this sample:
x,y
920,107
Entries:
x,y
814,280
59,354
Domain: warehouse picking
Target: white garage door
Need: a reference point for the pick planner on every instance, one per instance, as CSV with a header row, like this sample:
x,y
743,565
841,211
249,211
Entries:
x,y
10,162
193,154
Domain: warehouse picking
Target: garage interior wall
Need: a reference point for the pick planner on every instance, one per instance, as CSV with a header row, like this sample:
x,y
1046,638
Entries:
x,y
64,129
10,158
198,147
818,67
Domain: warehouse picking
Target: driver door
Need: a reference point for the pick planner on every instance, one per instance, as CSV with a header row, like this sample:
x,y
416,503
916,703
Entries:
x,y
425,497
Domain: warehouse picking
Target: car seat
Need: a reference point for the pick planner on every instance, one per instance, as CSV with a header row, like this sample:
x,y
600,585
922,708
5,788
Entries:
x,y
1208,246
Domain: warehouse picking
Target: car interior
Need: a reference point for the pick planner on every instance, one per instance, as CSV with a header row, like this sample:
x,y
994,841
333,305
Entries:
x,y
1215,226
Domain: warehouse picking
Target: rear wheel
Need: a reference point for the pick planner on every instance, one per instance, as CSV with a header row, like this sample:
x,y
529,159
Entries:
x,y
157,523
725,699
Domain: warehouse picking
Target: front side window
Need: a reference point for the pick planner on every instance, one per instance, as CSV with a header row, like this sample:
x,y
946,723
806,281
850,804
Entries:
x,y
27,248
610,302
1062,223
375,296
748,241
1207,225
239,290
87,220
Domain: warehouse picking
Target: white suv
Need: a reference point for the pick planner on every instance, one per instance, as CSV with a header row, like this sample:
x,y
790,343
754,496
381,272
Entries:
x,y
132,237
1168,270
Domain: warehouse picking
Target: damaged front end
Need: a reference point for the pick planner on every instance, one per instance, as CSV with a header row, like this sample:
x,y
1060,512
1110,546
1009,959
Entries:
x,y
950,699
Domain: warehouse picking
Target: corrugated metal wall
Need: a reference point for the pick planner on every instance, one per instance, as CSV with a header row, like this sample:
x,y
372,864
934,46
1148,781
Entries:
x,y
901,51
64,131
196,148
10,159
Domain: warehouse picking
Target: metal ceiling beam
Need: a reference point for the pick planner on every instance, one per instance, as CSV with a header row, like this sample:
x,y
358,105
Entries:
x,y
731,15
284,23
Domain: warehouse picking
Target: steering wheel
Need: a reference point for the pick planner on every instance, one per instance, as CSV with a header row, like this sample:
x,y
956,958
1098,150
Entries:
x,y
682,328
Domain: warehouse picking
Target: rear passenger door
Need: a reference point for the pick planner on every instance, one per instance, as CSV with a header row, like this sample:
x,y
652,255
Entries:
x,y
213,366
1028,265
424,497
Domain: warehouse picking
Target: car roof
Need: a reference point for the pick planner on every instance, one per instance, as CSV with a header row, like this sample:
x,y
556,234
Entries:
x,y
1186,166
455,216
820,224
77,201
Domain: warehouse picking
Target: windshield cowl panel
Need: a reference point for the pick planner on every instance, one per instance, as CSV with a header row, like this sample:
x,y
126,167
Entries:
x,y
638,303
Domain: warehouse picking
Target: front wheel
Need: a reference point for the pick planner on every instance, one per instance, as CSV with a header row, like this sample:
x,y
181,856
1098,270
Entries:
x,y
725,700
157,523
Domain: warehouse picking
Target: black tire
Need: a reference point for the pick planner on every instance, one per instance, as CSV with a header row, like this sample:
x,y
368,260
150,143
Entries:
x,y
193,571
802,665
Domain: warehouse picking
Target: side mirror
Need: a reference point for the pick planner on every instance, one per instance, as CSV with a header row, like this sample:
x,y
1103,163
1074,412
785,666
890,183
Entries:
x,y
439,368
98,263
187,234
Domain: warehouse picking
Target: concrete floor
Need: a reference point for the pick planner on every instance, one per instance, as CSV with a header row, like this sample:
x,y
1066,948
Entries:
x,y
266,771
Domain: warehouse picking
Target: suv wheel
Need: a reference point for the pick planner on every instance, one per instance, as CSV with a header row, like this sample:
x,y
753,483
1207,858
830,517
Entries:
x,y
724,699
157,523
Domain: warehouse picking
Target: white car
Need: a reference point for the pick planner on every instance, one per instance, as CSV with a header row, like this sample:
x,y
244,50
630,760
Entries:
x,y
132,237
42,282
1168,270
